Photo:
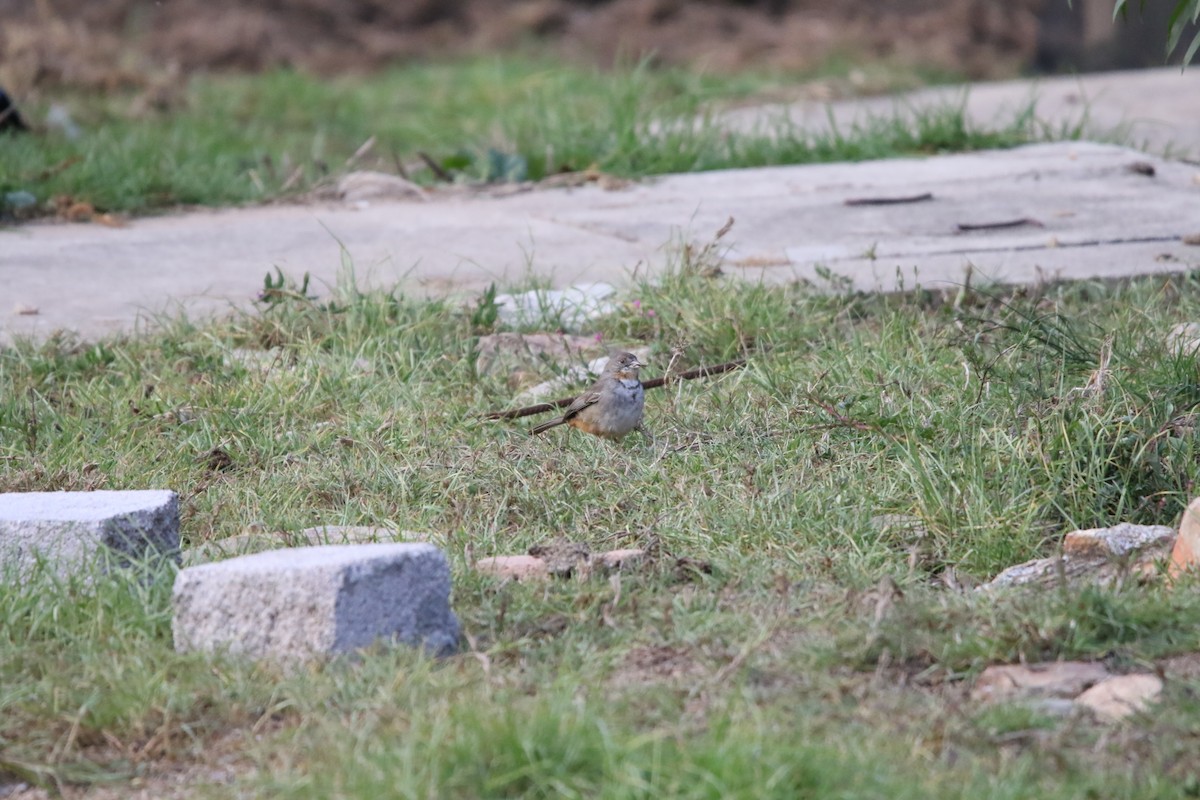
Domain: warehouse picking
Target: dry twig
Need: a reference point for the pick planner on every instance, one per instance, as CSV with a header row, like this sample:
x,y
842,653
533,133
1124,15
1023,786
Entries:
x,y
435,167
965,227
888,201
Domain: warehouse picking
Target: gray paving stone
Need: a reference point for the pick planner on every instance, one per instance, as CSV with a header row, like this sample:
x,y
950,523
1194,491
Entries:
x,y
298,603
70,530
1092,217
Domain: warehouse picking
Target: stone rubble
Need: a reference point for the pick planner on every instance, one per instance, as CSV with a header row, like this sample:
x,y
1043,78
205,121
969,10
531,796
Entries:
x,y
1052,679
1063,687
1101,556
547,561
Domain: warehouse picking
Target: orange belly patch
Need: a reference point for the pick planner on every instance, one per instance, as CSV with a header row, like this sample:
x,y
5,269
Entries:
x,y
587,426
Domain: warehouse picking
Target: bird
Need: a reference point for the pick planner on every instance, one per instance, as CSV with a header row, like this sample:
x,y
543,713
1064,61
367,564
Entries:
x,y
612,407
10,118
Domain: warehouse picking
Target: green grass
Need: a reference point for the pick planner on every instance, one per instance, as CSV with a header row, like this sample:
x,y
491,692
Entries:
x,y
241,139
769,677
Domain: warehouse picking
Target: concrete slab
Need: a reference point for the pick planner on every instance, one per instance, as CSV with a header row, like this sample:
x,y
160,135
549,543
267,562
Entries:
x,y
71,530
1087,213
293,604
99,281
1154,110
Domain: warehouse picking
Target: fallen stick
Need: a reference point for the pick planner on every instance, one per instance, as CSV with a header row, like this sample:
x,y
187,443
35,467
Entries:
x,y
50,172
888,201
435,167
996,226
653,383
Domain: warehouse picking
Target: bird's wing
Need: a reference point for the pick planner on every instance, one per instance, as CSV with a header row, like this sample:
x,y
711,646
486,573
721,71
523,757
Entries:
x,y
581,402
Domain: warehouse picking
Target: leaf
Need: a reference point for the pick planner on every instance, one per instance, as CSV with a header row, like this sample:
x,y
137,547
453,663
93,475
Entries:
x,y
486,311
1191,51
1175,26
505,167
1177,20
1184,11
457,162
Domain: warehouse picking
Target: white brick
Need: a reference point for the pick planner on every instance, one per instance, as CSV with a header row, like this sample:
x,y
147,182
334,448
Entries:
x,y
70,530
300,602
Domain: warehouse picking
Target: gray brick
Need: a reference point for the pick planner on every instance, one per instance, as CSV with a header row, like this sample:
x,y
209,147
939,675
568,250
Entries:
x,y
309,601
71,530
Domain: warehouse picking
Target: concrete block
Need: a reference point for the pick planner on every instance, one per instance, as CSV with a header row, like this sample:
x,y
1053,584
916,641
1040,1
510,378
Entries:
x,y
296,603
73,529
256,541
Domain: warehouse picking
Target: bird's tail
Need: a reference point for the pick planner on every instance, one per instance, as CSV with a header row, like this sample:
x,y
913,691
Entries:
x,y
545,426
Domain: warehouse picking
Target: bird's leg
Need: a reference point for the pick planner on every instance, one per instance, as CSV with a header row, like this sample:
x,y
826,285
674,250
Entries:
x,y
644,431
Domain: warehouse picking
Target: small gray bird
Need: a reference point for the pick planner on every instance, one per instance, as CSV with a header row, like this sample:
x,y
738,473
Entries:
x,y
612,407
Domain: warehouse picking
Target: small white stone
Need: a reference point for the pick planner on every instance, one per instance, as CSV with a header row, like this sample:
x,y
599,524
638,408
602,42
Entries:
x,y
1118,697
572,306
517,568
1051,679
359,188
619,559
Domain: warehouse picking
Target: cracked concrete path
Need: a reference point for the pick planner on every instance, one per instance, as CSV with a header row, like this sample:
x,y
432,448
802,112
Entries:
x,y
1066,210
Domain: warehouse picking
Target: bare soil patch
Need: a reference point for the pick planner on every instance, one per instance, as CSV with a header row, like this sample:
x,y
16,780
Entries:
x,y
114,43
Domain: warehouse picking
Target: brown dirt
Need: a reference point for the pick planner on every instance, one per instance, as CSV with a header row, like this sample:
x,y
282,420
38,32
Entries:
x,y
212,769
659,664
113,43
